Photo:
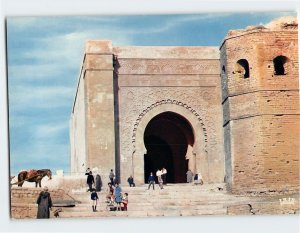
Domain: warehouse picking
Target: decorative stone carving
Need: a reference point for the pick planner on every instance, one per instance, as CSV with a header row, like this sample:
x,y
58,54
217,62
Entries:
x,y
167,66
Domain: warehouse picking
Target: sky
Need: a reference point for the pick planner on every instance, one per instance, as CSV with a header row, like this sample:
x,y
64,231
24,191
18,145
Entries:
x,y
44,58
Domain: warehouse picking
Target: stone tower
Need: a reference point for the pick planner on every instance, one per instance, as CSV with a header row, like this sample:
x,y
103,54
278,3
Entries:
x,y
260,98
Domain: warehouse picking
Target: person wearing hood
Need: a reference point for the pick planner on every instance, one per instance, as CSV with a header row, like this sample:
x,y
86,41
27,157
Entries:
x,y
44,204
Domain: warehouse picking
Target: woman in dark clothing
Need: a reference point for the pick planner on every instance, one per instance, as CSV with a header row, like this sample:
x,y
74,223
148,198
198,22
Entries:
x,y
44,204
98,183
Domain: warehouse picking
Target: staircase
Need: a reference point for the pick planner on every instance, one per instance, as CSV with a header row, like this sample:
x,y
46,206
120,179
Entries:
x,y
173,200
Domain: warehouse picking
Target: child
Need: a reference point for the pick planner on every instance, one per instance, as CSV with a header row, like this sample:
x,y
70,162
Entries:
x,y
125,201
94,198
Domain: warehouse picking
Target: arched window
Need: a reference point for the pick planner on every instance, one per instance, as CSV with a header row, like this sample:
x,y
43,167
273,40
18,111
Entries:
x,y
279,65
242,67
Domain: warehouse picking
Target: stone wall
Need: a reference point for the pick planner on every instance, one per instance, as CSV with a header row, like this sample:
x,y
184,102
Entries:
x,y
261,112
23,201
93,116
78,130
153,80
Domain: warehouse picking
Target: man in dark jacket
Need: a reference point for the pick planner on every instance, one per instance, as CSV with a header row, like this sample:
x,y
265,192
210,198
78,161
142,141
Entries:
x,y
90,181
130,181
151,180
44,204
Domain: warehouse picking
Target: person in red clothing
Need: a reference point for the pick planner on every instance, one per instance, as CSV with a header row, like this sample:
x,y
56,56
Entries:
x,y
125,201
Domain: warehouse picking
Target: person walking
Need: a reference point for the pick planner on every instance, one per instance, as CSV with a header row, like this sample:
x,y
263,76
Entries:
x,y
164,176
159,178
94,199
189,176
151,180
130,181
111,177
90,181
44,204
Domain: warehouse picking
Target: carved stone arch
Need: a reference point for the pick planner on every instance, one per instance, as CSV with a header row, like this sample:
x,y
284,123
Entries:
x,y
184,110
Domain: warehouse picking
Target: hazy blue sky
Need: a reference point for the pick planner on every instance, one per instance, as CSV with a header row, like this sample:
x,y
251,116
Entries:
x,y
44,58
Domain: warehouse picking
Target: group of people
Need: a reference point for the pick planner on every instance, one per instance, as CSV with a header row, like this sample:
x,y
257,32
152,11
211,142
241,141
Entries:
x,y
197,177
161,178
115,199
92,182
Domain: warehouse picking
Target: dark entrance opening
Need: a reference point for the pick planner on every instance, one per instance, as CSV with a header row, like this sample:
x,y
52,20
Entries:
x,y
166,139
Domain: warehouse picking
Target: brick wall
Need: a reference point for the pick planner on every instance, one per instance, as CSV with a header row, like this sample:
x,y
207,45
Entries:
x,y
261,113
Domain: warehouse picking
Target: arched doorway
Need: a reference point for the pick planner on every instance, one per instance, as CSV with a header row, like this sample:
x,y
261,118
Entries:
x,y
167,138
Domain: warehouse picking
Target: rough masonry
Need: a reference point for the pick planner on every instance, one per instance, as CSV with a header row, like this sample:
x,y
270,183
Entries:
x,y
231,113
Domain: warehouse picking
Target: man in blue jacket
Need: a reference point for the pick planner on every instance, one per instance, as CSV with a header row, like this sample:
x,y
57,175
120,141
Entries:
x,y
151,180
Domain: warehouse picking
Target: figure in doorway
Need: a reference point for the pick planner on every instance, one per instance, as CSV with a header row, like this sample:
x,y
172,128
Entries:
x,y
164,176
130,181
111,177
151,180
159,178
189,176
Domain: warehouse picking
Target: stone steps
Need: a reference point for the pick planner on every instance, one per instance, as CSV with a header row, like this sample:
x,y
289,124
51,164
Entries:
x,y
173,200
143,213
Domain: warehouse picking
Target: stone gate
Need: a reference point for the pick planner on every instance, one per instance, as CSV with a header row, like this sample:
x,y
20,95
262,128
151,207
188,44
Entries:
x,y
140,108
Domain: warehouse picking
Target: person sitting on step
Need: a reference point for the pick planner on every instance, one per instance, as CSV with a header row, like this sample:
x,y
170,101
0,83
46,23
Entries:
x,y
109,192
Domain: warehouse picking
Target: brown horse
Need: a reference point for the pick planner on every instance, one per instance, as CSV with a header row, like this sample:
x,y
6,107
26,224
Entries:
x,y
33,176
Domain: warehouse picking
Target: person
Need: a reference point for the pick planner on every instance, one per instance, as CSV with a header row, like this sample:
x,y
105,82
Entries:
x,y
94,198
44,204
118,196
90,181
189,176
87,171
151,180
160,181
111,177
109,193
164,176
130,181
200,178
125,201
98,183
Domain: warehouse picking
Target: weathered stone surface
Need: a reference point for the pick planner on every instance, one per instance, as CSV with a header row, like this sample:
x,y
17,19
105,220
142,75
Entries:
x,y
243,110
261,113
